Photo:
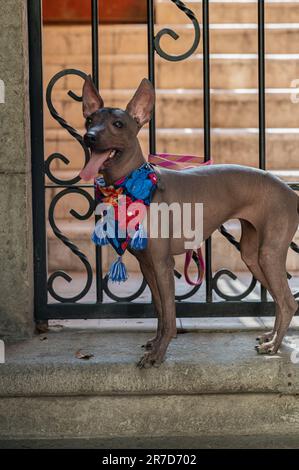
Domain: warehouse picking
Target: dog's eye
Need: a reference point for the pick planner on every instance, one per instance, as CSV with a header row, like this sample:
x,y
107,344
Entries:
x,y
88,121
118,124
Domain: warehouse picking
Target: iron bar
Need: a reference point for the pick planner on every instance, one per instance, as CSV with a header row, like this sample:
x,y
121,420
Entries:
x,y
70,245
261,84
262,103
170,32
96,80
95,41
37,154
207,132
151,69
64,124
146,310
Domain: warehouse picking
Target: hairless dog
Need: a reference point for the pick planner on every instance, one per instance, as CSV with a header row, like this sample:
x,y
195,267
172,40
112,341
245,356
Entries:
x,y
266,207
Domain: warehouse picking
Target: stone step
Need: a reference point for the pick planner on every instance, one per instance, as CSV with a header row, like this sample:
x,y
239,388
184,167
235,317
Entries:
x,y
132,39
79,232
239,11
227,71
210,381
183,108
228,146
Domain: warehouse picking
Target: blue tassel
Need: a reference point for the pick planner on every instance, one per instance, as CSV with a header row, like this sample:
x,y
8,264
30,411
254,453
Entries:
x,y
118,271
99,236
139,240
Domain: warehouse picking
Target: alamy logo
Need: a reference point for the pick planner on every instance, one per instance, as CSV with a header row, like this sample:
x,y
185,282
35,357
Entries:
x,y
2,92
2,352
161,221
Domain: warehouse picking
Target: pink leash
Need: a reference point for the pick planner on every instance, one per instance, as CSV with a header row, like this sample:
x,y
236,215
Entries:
x,y
201,265
183,162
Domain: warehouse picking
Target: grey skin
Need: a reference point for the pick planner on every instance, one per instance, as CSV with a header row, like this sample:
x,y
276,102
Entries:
x,y
266,207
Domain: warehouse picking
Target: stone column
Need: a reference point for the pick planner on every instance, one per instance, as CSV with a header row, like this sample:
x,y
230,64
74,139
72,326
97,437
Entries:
x,y
16,263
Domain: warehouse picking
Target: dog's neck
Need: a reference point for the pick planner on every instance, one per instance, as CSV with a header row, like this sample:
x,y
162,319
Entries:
x,y
131,159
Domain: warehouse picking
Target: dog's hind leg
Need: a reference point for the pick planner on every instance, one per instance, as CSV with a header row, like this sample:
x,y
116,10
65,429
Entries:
x,y
249,246
272,259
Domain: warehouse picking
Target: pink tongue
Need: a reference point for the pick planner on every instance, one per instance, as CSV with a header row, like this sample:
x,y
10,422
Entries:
x,y
95,163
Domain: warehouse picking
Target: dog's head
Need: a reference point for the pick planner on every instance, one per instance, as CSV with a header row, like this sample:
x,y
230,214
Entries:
x,y
111,133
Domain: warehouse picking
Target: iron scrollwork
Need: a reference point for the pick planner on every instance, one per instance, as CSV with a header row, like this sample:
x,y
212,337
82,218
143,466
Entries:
x,y
134,296
226,272
72,188
54,113
69,190
175,36
230,274
127,298
70,245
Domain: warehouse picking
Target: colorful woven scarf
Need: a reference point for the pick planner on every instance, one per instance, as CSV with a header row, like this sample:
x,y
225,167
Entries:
x,y
137,187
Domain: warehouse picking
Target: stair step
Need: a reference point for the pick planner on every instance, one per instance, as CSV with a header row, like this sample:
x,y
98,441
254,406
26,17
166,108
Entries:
x,y
132,39
229,11
227,71
212,391
183,108
228,146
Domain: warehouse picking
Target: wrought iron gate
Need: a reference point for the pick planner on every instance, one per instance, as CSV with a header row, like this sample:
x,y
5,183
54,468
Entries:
x,y
119,307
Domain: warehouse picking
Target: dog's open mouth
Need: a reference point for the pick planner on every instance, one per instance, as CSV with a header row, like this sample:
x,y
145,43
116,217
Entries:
x,y
98,161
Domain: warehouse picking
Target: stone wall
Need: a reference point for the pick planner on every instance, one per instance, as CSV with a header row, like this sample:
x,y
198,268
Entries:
x,y
16,264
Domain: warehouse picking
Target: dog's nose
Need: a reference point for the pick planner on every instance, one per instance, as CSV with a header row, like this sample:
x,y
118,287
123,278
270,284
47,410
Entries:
x,y
89,138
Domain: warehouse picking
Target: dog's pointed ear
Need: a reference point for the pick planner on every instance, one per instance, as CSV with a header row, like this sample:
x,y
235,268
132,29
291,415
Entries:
x,y
91,98
142,104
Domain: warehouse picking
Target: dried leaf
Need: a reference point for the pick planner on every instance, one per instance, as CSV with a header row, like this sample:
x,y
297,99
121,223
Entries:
x,y
41,327
43,338
83,355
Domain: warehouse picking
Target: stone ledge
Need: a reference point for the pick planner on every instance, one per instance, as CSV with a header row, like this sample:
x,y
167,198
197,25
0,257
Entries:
x,y
197,363
212,391
149,416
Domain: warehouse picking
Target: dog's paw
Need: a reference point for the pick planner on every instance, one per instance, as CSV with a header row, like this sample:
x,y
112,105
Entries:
x,y
266,337
266,348
148,360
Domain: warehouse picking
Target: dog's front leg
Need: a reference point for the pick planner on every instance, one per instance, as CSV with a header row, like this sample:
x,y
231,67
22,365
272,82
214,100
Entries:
x,y
163,270
149,275
147,269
